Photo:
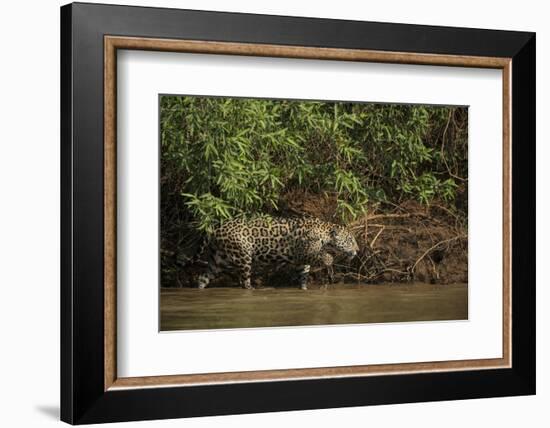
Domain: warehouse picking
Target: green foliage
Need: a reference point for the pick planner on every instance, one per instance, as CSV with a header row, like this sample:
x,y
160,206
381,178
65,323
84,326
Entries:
x,y
224,157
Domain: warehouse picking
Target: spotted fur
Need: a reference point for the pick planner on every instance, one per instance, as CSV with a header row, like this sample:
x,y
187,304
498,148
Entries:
x,y
242,244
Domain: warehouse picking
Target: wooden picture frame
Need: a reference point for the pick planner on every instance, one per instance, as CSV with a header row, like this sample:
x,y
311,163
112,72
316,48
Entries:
x,y
91,390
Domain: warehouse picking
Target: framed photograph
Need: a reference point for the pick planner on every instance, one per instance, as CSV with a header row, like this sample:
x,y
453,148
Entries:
x,y
266,213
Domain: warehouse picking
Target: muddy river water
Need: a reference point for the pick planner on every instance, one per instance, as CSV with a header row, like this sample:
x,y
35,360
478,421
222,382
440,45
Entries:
x,y
214,308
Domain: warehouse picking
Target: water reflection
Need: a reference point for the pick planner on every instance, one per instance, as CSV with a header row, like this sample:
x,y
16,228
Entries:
x,y
214,308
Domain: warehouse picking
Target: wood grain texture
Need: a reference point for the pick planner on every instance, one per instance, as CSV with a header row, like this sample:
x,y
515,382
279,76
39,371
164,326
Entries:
x,y
112,43
109,196
507,213
227,48
296,374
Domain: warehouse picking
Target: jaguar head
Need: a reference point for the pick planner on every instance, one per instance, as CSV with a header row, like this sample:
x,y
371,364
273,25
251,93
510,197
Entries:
x,y
343,241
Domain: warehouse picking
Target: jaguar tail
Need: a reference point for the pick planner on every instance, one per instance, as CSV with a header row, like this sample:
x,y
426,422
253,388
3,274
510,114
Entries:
x,y
184,260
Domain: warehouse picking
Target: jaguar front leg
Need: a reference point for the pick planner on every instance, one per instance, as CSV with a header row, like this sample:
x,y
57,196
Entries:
x,y
303,276
328,260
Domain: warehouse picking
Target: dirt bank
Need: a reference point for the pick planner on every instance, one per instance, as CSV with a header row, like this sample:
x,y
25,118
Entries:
x,y
398,243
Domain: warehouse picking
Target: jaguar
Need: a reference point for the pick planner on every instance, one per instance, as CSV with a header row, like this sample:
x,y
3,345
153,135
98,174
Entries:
x,y
241,244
